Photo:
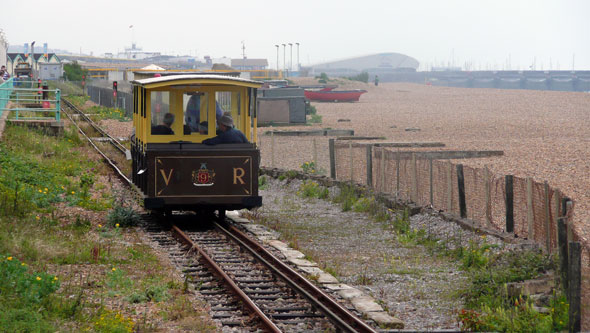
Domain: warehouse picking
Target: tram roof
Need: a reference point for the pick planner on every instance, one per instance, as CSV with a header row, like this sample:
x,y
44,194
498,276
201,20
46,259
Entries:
x,y
195,79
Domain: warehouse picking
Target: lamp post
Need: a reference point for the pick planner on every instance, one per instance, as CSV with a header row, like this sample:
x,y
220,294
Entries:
x,y
33,60
291,57
298,65
284,62
278,69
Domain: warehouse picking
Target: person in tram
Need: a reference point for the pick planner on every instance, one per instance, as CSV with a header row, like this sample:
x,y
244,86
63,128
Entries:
x,y
166,127
228,134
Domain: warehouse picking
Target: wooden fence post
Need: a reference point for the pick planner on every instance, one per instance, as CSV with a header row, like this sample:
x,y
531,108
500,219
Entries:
x,y
430,182
272,148
547,218
487,196
332,158
575,287
383,189
461,188
509,202
556,206
369,165
568,207
350,152
315,155
397,162
562,247
414,191
450,188
529,208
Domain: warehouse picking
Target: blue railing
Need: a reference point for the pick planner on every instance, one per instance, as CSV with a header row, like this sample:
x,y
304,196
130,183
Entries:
x,y
5,91
29,103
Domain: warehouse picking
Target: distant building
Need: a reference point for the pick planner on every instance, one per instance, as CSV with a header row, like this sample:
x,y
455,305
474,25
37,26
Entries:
x,y
249,64
3,48
375,63
136,53
45,66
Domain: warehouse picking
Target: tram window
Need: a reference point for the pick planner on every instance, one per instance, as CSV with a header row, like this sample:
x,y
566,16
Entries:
x,y
196,118
228,101
160,107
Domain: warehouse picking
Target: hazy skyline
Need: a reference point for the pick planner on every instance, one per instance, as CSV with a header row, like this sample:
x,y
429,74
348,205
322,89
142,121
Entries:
x,y
498,34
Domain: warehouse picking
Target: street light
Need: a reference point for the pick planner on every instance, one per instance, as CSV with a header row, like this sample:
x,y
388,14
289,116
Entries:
x,y
298,66
33,62
291,60
284,62
278,69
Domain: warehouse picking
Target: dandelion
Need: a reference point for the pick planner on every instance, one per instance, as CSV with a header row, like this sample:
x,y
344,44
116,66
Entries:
x,y
40,191
9,258
117,225
73,192
100,225
23,264
55,278
46,189
38,278
114,269
37,217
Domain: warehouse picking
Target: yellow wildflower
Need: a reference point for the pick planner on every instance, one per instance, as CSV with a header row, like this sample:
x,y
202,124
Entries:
x,y
37,217
40,191
55,278
23,264
73,192
9,258
114,269
117,225
38,278
100,225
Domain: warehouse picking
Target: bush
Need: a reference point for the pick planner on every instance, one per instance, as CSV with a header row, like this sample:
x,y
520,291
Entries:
x,y
124,216
362,77
346,197
311,189
74,72
315,119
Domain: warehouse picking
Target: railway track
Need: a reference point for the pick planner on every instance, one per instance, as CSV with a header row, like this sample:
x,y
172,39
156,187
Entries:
x,y
247,286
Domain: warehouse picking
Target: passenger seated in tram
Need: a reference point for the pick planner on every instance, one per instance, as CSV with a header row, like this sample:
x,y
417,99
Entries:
x,y
192,116
228,134
166,127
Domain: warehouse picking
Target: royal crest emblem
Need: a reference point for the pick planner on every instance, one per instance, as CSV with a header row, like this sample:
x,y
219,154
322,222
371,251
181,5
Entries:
x,y
203,176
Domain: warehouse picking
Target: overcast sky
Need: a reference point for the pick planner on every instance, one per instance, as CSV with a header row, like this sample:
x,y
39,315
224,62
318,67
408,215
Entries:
x,y
482,33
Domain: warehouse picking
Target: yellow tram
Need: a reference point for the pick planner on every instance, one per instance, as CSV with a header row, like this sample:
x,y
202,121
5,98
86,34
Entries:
x,y
172,117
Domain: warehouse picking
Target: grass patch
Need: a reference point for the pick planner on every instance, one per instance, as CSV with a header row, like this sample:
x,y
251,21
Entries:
x,y
315,119
311,189
63,262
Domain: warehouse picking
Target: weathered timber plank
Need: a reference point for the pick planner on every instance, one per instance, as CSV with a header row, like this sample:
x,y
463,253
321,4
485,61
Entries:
x,y
391,144
443,154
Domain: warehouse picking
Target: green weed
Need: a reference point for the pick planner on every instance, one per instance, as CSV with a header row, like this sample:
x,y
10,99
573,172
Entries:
x,y
311,189
123,217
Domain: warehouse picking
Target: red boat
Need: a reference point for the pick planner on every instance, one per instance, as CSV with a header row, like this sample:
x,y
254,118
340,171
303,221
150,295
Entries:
x,y
329,95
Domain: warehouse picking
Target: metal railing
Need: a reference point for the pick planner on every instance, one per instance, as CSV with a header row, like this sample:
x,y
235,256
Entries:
x,y
5,91
29,103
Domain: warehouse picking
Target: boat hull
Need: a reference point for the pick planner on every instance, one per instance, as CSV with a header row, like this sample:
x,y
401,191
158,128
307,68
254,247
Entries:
x,y
334,96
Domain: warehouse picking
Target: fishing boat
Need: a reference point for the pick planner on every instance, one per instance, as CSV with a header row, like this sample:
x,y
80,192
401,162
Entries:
x,y
327,94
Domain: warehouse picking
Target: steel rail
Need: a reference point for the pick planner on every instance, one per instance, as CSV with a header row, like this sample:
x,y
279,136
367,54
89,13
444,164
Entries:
x,y
339,315
113,141
266,322
105,157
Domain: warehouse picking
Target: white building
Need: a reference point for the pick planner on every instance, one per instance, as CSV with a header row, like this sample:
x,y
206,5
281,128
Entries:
x,y
136,53
3,48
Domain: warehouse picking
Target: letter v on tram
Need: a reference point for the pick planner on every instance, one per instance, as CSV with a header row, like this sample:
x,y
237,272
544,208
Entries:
x,y
172,116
